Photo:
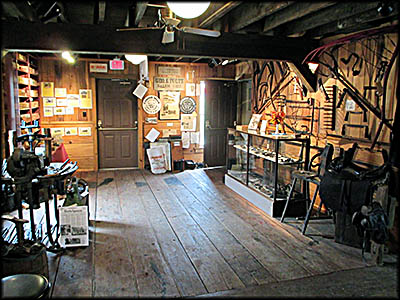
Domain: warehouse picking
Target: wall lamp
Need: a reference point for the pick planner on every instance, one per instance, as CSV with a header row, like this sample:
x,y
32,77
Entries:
x,y
313,66
68,57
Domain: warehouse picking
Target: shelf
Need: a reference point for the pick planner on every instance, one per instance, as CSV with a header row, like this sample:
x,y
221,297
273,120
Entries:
x,y
282,160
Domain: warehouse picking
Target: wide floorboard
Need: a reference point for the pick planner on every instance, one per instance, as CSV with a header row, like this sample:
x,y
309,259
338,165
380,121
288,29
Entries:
x,y
187,234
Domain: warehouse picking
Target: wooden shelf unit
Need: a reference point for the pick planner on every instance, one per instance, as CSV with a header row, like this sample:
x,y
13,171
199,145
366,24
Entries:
x,y
27,83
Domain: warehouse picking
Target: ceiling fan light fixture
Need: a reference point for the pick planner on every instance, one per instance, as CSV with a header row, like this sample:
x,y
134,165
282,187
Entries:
x,y
188,10
135,58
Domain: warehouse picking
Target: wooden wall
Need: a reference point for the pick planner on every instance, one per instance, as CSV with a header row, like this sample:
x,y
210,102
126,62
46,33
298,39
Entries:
x,y
193,73
82,149
74,77
371,51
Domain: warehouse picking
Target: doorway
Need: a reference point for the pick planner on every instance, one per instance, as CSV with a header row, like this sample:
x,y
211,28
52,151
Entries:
x,y
117,123
220,113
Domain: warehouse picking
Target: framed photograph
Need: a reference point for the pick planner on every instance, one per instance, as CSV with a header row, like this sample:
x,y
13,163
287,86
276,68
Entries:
x,y
85,131
62,102
255,119
49,101
60,92
59,110
48,111
169,105
71,131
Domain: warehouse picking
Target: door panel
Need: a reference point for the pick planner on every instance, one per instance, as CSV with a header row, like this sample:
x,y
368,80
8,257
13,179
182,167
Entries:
x,y
220,113
117,112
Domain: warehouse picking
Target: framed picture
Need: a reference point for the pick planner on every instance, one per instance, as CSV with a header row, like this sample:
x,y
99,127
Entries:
x,y
169,105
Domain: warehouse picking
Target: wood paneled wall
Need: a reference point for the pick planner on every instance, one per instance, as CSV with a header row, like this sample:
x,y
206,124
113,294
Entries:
x,y
371,52
77,76
82,149
193,73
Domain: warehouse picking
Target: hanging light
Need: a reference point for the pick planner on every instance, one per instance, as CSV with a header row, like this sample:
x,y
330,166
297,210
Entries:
x,y
135,58
188,10
68,57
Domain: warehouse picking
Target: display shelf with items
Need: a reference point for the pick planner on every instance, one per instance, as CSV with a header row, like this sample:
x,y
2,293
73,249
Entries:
x,y
28,92
259,168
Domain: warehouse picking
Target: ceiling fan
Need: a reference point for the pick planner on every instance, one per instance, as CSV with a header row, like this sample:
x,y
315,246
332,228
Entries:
x,y
169,25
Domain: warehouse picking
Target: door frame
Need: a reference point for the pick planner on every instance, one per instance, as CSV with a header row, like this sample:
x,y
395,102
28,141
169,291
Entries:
x,y
93,85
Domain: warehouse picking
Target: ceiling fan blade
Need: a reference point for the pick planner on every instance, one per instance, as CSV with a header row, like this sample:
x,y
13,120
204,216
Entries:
x,y
200,31
137,28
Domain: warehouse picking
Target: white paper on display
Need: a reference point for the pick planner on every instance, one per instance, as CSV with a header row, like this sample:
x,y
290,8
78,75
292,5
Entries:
x,y
165,146
195,137
185,139
140,91
74,226
152,135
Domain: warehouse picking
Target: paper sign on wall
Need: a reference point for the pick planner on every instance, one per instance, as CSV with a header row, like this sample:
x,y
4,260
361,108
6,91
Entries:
x,y
49,102
59,111
169,84
73,100
71,131
190,89
85,97
60,92
85,131
48,111
62,102
69,110
47,89
56,131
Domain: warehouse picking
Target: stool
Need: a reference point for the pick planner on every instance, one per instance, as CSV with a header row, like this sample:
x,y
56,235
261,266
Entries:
x,y
25,285
310,177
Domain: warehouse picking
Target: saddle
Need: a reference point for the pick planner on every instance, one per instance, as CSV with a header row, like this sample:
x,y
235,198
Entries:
x,y
347,186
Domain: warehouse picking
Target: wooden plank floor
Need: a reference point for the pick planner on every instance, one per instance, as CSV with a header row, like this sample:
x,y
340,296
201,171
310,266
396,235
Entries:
x,y
187,234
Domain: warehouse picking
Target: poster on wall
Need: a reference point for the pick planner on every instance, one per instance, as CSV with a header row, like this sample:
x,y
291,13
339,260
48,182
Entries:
x,y
169,84
47,89
169,71
62,102
71,131
69,110
56,131
188,123
169,105
59,110
85,97
60,92
48,111
49,102
85,131
73,100
190,89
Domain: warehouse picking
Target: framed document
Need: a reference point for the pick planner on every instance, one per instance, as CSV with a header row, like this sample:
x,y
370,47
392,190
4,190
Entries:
x,y
169,105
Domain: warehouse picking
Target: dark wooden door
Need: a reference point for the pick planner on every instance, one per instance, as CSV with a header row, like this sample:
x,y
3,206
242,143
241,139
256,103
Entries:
x,y
117,123
220,113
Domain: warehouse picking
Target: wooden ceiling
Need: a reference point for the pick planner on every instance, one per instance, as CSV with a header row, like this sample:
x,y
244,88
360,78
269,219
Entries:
x,y
310,20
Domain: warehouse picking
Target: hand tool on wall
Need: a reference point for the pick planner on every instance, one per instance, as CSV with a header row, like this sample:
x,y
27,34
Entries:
x,y
358,61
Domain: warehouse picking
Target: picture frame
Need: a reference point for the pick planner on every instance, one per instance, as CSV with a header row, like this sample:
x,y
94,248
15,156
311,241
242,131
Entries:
x,y
169,105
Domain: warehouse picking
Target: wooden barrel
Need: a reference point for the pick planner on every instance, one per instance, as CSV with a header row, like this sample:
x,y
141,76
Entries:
x,y
36,263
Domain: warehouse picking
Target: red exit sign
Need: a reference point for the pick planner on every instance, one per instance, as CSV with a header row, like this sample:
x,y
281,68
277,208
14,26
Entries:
x,y
116,64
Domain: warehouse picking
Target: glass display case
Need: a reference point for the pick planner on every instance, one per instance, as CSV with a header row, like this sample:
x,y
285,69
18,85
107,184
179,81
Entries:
x,y
259,168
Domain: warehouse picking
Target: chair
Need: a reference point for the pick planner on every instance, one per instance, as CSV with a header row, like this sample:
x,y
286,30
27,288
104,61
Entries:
x,y
25,285
310,177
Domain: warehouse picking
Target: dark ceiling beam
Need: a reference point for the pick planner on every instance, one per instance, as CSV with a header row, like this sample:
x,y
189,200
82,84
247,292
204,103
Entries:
x,y
10,9
27,10
101,12
87,38
218,13
362,21
250,12
341,10
140,9
295,11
